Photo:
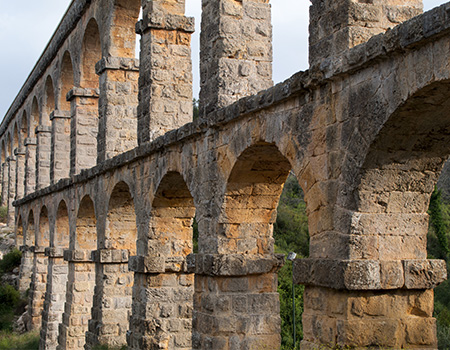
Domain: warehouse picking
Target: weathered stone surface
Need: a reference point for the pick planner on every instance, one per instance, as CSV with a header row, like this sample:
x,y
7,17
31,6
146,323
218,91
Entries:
x,y
364,131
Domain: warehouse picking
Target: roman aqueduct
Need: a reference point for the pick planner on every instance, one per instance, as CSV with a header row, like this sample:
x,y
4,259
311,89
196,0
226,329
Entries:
x,y
103,171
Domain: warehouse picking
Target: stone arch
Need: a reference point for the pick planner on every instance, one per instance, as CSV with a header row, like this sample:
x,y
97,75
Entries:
x,y
43,234
23,127
251,197
15,139
34,117
49,105
9,144
4,149
123,33
20,239
171,218
399,173
66,81
62,227
170,241
86,226
30,233
120,230
91,54
113,279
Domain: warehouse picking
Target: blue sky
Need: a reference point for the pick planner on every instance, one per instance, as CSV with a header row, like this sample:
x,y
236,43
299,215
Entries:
x,y
26,27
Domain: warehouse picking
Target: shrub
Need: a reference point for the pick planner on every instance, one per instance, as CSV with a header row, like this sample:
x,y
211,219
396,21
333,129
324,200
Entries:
x,y
3,214
9,300
13,341
443,335
10,261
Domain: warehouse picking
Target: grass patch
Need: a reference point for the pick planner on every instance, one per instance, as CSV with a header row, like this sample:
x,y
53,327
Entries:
x,y
14,341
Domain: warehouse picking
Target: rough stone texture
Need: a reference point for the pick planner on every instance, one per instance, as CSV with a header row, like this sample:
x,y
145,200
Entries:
x,y
336,26
11,190
30,166
20,173
117,106
165,74
84,129
5,182
365,132
54,299
37,288
60,154
43,151
236,51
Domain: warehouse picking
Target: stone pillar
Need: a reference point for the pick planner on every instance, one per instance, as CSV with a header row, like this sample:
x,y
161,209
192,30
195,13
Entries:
x,y
30,165
60,155
337,25
165,73
20,172
78,301
112,300
162,316
11,190
43,151
5,182
84,129
54,298
117,106
236,304
26,268
235,51
37,287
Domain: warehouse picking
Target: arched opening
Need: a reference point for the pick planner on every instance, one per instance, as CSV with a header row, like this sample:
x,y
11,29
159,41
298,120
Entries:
x,y
30,234
253,191
121,231
390,175
9,144
4,150
26,266
67,81
24,127
43,234
40,271
245,240
62,228
15,138
91,54
57,280
49,101
110,321
34,120
86,234
19,233
170,240
123,33
171,219
75,319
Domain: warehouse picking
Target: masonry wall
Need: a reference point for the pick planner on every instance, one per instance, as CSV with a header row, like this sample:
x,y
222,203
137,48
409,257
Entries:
x,y
356,132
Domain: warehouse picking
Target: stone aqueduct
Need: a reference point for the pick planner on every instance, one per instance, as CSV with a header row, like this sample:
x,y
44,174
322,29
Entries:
x,y
103,172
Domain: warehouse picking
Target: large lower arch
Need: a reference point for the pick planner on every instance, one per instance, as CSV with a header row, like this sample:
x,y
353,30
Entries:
x,y
26,266
113,291
81,278
243,268
40,269
163,290
57,279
